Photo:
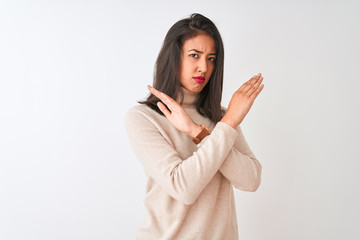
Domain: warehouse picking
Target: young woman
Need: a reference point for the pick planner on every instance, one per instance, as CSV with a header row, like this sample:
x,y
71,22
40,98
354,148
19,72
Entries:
x,y
193,152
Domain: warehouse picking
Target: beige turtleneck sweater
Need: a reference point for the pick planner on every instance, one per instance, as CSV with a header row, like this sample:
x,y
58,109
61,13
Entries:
x,y
189,191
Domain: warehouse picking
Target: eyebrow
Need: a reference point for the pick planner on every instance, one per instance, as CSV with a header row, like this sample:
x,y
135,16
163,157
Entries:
x,y
200,51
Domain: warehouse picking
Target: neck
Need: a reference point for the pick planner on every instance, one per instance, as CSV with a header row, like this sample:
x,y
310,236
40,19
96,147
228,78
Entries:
x,y
188,99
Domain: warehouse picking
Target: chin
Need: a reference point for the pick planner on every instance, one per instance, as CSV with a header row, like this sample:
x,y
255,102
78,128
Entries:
x,y
194,87
195,90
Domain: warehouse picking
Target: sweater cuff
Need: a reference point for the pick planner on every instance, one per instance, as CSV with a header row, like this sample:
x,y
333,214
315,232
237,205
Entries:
x,y
230,133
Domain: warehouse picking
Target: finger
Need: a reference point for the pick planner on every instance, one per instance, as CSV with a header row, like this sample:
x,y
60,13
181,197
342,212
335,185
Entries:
x,y
254,87
154,91
255,78
251,82
162,96
257,92
246,83
163,109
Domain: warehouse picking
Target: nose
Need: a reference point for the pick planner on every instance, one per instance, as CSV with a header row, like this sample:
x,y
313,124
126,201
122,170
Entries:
x,y
202,65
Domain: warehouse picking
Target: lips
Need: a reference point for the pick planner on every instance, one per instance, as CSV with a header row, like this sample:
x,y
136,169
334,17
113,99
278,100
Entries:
x,y
199,79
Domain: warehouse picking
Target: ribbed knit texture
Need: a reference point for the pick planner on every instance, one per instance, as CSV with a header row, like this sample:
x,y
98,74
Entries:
x,y
189,193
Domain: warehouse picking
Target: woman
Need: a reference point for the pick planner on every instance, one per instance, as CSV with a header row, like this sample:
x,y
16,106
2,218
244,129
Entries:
x,y
192,151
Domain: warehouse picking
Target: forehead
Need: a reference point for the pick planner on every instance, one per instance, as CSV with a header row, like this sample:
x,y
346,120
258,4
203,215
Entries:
x,y
201,42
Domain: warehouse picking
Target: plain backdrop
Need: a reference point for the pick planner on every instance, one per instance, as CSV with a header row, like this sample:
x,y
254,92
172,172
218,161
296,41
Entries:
x,y
69,70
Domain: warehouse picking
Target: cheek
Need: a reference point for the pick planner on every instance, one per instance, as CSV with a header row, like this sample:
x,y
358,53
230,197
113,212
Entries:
x,y
211,69
188,68
186,72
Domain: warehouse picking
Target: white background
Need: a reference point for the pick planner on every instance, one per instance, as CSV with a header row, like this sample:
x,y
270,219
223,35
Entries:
x,y
69,70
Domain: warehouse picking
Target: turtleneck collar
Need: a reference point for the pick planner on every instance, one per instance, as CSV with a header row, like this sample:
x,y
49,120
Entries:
x,y
189,98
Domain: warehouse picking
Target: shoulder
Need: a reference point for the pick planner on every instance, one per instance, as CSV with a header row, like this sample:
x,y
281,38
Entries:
x,y
141,114
138,110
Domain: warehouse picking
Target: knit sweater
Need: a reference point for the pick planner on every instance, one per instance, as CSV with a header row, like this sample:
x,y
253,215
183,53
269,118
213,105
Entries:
x,y
189,191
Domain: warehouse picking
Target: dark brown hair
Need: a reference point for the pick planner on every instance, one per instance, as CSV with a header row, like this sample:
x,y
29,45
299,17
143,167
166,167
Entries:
x,y
167,68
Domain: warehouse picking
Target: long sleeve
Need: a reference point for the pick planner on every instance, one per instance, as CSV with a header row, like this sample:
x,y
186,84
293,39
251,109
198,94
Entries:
x,y
183,179
241,167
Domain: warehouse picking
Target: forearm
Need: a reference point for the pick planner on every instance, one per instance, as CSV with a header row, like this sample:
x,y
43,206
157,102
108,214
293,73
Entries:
x,y
183,179
243,171
241,167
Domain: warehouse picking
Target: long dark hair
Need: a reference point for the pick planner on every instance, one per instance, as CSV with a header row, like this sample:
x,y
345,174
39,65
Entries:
x,y
167,68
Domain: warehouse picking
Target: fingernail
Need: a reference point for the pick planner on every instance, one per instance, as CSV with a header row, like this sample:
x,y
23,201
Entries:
x,y
258,74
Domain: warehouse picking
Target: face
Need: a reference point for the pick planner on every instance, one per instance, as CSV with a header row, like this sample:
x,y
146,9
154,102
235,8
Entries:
x,y
197,62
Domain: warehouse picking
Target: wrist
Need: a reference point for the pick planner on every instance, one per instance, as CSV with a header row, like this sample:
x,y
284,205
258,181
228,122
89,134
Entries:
x,y
195,130
230,122
201,135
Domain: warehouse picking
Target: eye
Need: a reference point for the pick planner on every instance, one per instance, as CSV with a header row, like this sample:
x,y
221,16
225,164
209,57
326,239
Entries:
x,y
194,55
212,59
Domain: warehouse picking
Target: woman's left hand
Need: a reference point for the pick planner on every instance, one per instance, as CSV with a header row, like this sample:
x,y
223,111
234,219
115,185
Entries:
x,y
177,115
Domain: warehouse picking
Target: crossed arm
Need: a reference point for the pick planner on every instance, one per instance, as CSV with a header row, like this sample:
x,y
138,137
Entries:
x,y
240,167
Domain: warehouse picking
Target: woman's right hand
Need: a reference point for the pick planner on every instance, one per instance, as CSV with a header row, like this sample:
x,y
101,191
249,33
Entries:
x,y
242,101
177,115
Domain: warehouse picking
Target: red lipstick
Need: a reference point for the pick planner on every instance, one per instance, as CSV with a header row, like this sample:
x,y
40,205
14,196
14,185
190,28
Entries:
x,y
199,79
